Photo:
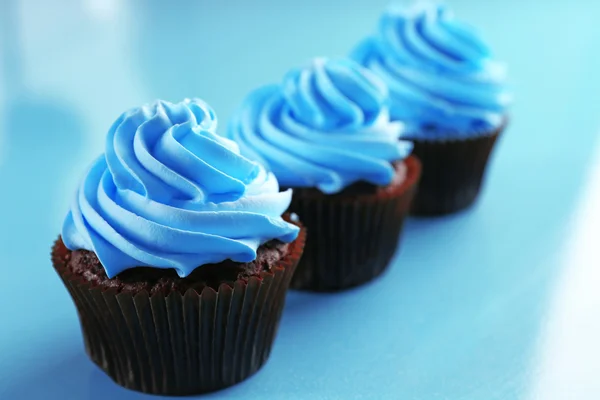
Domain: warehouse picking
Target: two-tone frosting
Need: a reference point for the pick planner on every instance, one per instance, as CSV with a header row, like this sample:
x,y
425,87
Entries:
x,y
326,125
443,79
171,193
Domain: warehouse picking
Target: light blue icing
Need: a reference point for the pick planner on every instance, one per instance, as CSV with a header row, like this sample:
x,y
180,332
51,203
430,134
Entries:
x,y
326,125
443,80
170,193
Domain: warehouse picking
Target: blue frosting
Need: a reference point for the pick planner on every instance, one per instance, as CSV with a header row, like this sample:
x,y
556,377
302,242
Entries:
x,y
170,193
443,80
326,125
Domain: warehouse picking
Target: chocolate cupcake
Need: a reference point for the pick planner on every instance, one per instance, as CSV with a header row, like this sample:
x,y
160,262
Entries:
x,y
176,254
325,131
451,93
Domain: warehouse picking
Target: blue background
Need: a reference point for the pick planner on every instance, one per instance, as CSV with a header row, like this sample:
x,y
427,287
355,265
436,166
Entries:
x,y
499,302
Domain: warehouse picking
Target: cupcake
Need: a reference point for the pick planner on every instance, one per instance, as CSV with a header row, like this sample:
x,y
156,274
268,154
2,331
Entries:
x,y
176,254
325,131
448,90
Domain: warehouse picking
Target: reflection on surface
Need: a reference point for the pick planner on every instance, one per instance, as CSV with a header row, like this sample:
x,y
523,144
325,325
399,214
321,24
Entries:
x,y
10,68
103,9
44,136
81,52
569,355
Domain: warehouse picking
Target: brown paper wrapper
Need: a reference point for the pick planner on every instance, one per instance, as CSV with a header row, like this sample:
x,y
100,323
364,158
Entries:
x,y
453,173
181,344
352,237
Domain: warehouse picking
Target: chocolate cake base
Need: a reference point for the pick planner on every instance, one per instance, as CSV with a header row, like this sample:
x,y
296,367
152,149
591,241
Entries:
x,y
86,265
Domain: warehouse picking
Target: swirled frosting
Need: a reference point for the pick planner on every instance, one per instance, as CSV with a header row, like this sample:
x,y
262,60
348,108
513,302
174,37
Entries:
x,y
170,193
443,80
326,125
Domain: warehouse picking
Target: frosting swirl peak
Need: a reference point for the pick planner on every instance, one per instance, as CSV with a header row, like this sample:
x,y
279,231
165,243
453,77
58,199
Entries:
x,y
442,77
171,193
326,126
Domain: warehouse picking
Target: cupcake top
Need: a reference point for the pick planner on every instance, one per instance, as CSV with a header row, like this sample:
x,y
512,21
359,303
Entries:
x,y
170,193
326,125
444,82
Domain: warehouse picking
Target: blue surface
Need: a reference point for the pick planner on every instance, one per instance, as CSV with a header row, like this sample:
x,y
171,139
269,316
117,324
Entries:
x,y
499,302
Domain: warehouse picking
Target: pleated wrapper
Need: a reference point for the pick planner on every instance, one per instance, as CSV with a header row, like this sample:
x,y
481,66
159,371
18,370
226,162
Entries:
x,y
453,172
352,238
181,344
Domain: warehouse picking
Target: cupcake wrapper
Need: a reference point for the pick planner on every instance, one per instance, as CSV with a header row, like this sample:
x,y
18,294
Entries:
x,y
181,344
453,172
352,238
